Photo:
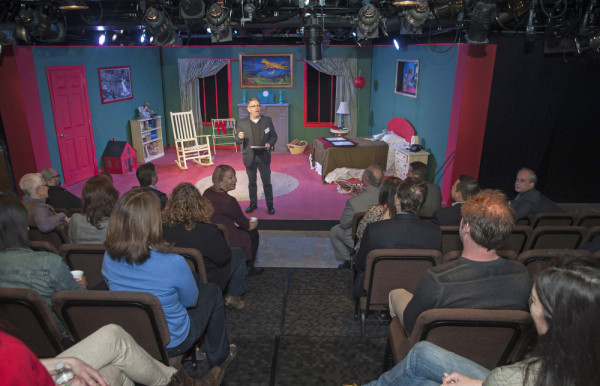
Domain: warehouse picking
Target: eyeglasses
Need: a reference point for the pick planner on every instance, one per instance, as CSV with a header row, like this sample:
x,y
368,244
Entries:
x,y
56,176
253,106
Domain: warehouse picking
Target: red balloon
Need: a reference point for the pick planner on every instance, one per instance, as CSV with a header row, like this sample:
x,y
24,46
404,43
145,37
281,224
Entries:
x,y
359,82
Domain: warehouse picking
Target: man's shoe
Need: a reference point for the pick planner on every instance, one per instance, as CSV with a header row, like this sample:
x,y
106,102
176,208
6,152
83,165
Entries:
x,y
212,378
234,302
271,210
251,208
230,357
251,271
345,264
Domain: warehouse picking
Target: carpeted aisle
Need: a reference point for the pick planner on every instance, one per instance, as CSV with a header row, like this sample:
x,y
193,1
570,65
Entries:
x,y
298,328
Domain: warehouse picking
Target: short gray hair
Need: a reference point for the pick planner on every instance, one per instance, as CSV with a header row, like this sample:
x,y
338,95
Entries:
x,y
532,175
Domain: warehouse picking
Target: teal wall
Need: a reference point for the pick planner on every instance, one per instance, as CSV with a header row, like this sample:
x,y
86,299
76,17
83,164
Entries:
x,y
429,113
111,119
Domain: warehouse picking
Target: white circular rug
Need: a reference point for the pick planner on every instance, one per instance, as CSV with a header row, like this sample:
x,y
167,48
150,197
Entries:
x,y
282,185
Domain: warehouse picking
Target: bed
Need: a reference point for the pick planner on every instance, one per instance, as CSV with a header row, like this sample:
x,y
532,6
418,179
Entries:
x,y
335,163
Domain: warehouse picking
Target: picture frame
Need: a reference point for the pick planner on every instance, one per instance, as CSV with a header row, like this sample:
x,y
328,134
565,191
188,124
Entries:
x,y
266,70
407,77
115,84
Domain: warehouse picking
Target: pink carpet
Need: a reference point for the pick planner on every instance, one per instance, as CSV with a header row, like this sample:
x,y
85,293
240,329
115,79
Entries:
x,y
312,200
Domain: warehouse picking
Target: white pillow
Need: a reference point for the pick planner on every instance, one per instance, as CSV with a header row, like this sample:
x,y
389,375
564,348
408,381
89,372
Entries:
x,y
390,138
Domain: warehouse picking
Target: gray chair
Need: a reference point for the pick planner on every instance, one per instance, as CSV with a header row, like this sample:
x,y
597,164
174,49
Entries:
x,y
589,219
535,260
518,238
56,237
450,238
556,237
554,219
43,246
88,258
194,259
25,314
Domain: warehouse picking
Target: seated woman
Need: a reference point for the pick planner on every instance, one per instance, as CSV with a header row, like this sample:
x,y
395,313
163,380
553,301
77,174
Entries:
x,y
243,233
385,209
138,259
98,197
563,306
109,356
187,224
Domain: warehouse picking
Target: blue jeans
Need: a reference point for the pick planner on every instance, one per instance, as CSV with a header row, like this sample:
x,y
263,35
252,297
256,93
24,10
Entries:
x,y
237,282
426,364
208,317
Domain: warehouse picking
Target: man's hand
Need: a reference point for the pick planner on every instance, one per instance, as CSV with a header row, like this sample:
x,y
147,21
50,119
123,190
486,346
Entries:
x,y
84,374
268,146
83,282
241,135
459,379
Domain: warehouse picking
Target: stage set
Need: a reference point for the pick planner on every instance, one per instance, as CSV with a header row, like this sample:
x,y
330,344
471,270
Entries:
x,y
299,192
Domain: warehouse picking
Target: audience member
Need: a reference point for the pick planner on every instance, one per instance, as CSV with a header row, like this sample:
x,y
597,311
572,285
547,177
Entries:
x,y
109,356
99,197
433,201
386,208
242,233
463,188
341,234
188,224
477,279
58,196
406,230
41,215
138,259
21,267
147,177
528,199
563,305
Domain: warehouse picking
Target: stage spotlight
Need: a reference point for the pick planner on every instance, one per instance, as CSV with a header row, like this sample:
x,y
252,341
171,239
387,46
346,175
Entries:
x,y
414,19
192,12
160,27
483,16
11,32
115,36
313,37
587,43
396,44
102,39
217,19
72,5
448,8
368,22
143,38
44,27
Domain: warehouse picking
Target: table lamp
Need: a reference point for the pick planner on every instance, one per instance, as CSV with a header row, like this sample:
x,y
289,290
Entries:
x,y
342,110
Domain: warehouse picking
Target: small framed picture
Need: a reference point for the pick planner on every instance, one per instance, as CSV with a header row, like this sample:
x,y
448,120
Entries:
x,y
407,77
115,84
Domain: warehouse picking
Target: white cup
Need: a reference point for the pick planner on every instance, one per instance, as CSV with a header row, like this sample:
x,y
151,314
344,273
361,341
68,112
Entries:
x,y
253,219
77,274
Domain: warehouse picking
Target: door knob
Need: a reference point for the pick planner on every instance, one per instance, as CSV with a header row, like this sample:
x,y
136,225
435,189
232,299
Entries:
x,y
62,135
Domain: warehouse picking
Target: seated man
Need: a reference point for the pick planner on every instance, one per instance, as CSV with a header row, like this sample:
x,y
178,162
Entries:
x,y
21,267
406,230
528,199
147,177
433,201
58,196
41,214
341,234
477,279
462,189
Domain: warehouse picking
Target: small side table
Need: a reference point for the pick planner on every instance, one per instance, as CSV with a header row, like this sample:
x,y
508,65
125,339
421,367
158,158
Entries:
x,y
339,132
403,159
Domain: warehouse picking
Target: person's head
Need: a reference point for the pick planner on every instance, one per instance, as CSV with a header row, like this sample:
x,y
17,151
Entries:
x,y
34,186
254,108
387,194
146,174
372,176
186,206
98,199
51,176
526,180
224,178
463,188
13,223
411,194
564,307
487,219
135,227
417,169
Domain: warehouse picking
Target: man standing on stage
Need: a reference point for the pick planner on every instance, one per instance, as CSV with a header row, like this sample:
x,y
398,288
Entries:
x,y
257,136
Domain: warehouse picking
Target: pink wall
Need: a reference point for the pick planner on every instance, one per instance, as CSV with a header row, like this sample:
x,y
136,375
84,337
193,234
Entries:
x,y
473,83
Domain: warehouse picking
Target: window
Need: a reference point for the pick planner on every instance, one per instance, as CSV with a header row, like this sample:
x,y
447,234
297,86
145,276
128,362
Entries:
x,y
319,97
215,95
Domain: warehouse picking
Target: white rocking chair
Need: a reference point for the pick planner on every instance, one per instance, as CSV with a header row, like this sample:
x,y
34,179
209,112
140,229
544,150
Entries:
x,y
190,146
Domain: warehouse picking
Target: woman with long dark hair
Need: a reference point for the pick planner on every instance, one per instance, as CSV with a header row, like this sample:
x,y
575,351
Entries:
x,y
138,259
564,307
188,224
98,197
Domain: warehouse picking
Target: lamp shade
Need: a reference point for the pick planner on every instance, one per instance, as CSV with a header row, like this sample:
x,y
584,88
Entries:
x,y
343,108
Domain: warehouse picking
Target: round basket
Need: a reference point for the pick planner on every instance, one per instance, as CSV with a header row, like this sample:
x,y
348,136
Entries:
x,y
298,147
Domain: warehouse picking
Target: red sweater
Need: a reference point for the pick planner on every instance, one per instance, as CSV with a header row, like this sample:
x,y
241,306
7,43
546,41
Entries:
x,y
18,365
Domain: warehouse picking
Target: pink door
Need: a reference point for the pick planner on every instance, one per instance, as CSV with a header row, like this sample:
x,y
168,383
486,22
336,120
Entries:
x,y
70,105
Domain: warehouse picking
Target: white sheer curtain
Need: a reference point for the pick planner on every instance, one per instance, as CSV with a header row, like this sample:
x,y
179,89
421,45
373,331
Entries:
x,y
189,72
345,71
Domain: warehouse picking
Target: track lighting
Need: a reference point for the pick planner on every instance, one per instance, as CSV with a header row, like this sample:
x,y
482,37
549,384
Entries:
x,y
483,15
160,27
368,19
313,37
217,19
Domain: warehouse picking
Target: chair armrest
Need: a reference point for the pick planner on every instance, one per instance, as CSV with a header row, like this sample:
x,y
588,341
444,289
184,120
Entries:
x,y
399,342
